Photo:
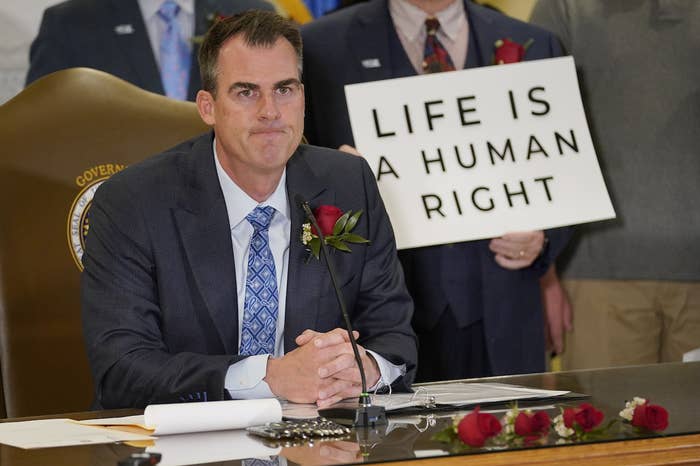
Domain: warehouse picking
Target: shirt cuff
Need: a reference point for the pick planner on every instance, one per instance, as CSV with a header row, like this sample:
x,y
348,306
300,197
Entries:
x,y
244,379
388,372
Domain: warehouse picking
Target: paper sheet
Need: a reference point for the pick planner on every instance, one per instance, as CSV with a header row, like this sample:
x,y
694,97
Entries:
x,y
49,433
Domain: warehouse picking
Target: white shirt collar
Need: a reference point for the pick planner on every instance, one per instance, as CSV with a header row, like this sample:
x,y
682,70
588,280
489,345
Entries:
x,y
149,8
239,204
410,19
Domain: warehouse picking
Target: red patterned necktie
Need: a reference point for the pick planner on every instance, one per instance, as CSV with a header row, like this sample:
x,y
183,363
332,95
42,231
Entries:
x,y
435,57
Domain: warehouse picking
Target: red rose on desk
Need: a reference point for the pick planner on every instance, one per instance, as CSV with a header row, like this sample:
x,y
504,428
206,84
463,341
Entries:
x,y
586,416
650,417
326,216
532,426
507,51
475,428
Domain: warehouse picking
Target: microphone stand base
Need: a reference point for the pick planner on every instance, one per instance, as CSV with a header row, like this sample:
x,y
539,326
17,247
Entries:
x,y
357,416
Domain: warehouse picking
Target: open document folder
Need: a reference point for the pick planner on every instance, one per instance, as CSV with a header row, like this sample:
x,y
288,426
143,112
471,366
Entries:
x,y
444,396
463,394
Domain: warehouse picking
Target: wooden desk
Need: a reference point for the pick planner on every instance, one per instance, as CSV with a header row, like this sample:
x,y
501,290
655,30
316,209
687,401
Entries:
x,y
675,386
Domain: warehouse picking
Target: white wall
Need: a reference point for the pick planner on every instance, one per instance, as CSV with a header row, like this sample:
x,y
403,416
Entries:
x,y
19,23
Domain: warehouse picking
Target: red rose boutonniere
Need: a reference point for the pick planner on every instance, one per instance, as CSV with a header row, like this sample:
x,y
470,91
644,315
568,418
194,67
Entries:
x,y
336,227
644,415
506,51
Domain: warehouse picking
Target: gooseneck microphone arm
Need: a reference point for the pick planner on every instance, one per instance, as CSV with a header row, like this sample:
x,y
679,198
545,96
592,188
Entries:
x,y
364,396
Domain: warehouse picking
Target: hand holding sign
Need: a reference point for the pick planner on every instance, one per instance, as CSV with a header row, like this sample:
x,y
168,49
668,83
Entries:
x,y
517,250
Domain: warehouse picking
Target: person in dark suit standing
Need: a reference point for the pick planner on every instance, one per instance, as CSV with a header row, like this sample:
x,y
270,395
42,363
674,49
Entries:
x,y
197,283
478,304
149,43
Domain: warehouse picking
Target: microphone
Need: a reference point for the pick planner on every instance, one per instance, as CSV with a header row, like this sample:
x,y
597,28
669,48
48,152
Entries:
x,y
365,414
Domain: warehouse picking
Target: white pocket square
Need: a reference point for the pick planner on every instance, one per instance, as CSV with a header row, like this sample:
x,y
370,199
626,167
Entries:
x,y
371,63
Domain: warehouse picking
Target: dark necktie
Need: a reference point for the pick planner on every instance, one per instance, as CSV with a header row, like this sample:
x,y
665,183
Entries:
x,y
435,57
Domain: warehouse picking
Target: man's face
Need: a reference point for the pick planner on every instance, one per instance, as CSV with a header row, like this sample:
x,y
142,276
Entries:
x,y
258,113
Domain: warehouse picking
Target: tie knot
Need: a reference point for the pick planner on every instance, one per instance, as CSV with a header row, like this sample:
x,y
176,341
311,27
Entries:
x,y
168,10
261,217
431,26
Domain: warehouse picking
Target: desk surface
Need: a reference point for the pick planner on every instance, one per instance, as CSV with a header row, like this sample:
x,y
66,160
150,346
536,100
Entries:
x,y
675,386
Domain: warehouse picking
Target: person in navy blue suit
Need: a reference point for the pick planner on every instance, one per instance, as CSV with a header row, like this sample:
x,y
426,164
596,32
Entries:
x,y
113,36
478,305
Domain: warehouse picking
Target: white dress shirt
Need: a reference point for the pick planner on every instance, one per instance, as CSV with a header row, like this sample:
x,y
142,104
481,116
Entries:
x,y
409,22
156,26
244,379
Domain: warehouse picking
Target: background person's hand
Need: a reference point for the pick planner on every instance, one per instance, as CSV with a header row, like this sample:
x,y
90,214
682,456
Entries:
x,y
517,250
558,314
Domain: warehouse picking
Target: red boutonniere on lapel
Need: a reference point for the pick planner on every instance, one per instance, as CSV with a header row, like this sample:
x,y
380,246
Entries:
x,y
336,227
507,51
212,19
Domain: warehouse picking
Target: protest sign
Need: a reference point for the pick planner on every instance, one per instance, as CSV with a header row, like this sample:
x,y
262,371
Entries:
x,y
477,153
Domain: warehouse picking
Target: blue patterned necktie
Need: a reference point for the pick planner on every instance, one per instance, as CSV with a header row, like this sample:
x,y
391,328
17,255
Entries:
x,y
175,56
435,56
261,298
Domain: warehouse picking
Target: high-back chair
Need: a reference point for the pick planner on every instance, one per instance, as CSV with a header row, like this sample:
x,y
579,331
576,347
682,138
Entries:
x,y
59,139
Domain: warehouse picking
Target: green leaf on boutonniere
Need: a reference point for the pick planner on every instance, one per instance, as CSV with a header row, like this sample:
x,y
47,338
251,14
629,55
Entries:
x,y
315,246
352,221
340,223
337,243
353,238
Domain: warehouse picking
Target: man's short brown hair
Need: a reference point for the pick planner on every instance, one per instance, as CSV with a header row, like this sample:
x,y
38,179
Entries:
x,y
259,29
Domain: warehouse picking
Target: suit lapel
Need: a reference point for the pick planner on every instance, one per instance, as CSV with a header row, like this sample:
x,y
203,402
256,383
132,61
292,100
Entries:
x,y
368,40
136,46
206,237
305,279
483,33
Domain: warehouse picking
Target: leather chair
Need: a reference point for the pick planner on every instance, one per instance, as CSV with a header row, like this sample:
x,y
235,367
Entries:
x,y
60,138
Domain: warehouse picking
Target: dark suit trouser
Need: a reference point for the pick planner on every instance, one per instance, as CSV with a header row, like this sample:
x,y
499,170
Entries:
x,y
466,348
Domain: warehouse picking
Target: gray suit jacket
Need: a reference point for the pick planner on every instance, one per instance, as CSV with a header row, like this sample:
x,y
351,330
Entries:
x,y
159,286
111,36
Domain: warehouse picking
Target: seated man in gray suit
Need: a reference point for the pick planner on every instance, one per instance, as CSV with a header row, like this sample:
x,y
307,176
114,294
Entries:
x,y
197,285
149,43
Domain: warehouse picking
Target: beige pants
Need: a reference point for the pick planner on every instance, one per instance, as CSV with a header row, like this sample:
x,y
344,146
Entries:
x,y
625,322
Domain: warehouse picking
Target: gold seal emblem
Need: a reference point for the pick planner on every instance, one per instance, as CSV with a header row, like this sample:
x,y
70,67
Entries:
x,y
78,215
